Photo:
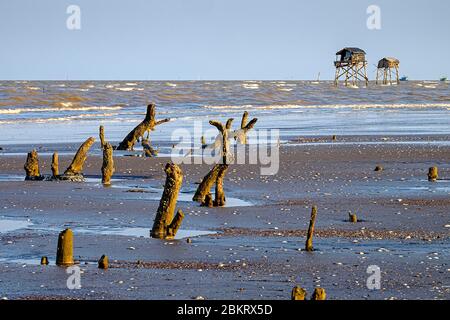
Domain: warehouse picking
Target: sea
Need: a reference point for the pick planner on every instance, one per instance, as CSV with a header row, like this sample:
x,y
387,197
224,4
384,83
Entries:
x,y
34,112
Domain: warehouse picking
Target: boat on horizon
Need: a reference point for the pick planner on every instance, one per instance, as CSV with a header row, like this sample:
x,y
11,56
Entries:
x,y
404,78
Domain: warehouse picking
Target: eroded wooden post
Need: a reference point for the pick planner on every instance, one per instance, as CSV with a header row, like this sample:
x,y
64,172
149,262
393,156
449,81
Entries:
x,y
312,223
147,125
219,200
433,174
102,136
76,167
103,262
64,253
298,293
165,214
55,165
108,164
319,294
32,166
353,218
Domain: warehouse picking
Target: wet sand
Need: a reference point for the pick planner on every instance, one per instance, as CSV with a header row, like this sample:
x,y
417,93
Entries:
x,y
252,251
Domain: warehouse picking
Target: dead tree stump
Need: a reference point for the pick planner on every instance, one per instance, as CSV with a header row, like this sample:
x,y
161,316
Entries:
x,y
147,125
102,136
353,217
44,261
108,164
64,253
165,225
76,167
298,293
433,174
241,134
319,294
32,167
312,223
103,263
149,152
55,165
205,186
219,200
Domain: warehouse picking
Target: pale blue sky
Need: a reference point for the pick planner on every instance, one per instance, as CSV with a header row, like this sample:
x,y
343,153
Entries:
x,y
216,39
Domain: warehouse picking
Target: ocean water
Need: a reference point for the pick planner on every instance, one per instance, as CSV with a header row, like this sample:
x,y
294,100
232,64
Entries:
x,y
70,111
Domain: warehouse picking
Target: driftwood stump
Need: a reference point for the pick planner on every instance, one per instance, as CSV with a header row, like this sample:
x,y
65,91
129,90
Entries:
x,y
101,135
312,223
103,262
147,125
219,200
241,134
149,152
165,225
64,253
319,294
353,218
433,174
76,167
32,167
55,165
205,186
298,293
108,164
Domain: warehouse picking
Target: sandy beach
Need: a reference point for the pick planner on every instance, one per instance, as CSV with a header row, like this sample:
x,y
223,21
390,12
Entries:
x,y
250,249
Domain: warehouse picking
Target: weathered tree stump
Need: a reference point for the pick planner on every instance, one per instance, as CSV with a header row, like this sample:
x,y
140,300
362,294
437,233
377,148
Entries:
x,y
353,218
208,202
312,223
205,186
149,152
64,253
103,263
108,164
165,225
298,293
102,136
76,167
32,167
55,165
219,200
319,294
378,169
241,134
433,174
44,261
147,125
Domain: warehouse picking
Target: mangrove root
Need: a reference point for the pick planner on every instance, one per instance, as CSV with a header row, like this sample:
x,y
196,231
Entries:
x,y
312,223
147,125
433,174
32,167
165,225
76,167
298,293
64,253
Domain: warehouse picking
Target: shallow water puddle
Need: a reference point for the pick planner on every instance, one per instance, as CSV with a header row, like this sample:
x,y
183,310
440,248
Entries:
x,y
11,177
140,232
13,225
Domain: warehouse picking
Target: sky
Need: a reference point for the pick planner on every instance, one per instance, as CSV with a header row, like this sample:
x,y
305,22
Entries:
x,y
217,39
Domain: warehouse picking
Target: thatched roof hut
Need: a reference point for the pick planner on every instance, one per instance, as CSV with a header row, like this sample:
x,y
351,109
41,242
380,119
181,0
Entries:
x,y
351,55
388,62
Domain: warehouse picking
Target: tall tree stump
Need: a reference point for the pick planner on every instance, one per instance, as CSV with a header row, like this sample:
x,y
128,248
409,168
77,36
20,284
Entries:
x,y
165,225
219,200
76,167
205,186
147,125
55,165
309,237
64,252
108,164
32,166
